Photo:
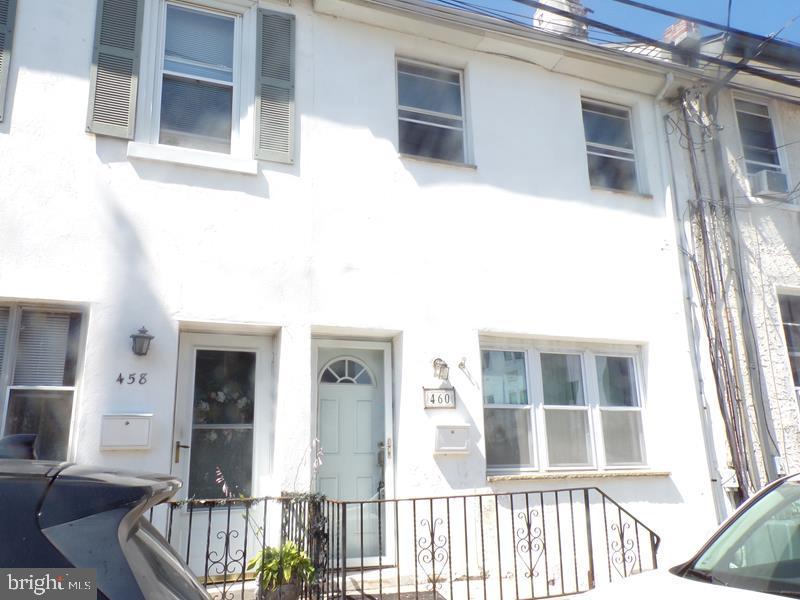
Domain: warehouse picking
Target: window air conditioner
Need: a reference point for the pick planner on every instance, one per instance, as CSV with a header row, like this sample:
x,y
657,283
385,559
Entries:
x,y
769,184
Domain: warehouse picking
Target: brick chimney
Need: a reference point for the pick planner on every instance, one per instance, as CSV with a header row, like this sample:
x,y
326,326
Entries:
x,y
685,37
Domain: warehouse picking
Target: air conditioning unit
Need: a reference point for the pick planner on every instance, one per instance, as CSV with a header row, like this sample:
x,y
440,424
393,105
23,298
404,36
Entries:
x,y
769,184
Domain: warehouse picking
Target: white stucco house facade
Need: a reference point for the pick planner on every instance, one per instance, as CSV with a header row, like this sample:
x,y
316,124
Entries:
x,y
311,208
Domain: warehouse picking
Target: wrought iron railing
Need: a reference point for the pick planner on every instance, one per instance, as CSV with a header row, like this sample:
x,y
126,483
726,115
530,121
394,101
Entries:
x,y
510,546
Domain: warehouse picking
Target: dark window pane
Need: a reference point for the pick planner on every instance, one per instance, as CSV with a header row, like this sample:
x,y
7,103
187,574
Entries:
x,y
794,362
195,114
790,309
221,463
792,337
46,413
224,387
507,437
607,129
199,43
504,378
612,173
617,381
433,94
431,141
562,379
756,132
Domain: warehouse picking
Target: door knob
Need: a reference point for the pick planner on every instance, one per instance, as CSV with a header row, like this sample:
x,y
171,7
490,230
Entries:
x,y
178,447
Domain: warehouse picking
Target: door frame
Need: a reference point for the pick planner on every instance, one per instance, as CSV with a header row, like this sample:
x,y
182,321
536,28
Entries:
x,y
189,343
388,430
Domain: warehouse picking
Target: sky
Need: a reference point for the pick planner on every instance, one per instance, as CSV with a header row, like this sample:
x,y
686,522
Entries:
x,y
757,16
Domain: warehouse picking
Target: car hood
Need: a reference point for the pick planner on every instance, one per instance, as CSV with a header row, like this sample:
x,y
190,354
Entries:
x,y
663,585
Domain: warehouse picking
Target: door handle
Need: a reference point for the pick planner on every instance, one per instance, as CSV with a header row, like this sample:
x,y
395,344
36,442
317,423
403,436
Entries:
x,y
178,447
380,454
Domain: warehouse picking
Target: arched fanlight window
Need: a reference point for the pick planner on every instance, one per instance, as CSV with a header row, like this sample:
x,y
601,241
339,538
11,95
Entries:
x,y
346,370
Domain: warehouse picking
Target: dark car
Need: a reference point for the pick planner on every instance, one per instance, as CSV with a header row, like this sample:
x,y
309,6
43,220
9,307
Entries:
x,y
62,515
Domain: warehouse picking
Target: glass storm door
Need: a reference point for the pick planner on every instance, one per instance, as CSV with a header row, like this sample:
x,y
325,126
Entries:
x,y
220,437
354,423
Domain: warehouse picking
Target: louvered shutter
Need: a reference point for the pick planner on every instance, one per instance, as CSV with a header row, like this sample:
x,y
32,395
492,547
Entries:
x,y
8,9
115,68
275,87
3,335
42,348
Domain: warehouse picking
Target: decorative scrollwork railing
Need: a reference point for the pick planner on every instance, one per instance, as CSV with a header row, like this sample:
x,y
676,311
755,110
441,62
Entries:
x,y
514,545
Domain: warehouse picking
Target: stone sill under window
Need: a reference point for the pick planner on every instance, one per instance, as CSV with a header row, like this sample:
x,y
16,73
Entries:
x,y
192,158
551,475
439,161
642,195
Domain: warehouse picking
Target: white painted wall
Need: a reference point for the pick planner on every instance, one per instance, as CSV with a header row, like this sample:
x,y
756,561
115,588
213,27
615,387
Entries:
x,y
355,240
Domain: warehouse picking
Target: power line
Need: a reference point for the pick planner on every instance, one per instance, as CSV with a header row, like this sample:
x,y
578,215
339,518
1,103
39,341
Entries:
x,y
624,33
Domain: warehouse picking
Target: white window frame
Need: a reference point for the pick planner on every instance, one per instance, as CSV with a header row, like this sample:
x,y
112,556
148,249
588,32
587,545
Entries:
x,y
10,358
465,152
634,152
789,353
776,134
537,426
146,143
533,417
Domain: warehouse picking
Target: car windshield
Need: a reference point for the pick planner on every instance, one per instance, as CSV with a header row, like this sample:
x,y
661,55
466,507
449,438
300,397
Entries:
x,y
760,550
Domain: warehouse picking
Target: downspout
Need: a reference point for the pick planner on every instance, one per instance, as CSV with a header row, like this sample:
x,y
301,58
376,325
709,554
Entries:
x,y
692,326
769,448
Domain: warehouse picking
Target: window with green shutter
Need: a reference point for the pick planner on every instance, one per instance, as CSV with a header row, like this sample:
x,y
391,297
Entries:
x,y
221,82
115,68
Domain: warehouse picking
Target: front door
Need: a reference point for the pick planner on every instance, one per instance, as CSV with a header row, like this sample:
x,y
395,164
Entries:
x,y
221,433
355,425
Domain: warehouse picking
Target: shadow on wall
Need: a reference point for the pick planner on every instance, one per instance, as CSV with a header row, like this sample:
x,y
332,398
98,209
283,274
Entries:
x,y
132,301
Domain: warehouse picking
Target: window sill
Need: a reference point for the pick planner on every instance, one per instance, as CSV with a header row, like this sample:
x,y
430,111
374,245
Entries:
x,y
192,158
643,196
439,161
499,478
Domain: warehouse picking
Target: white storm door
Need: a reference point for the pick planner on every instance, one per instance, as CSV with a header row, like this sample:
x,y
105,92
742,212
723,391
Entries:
x,y
221,433
355,424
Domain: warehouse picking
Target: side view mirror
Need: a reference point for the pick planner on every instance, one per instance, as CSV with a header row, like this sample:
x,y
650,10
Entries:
x,y
20,445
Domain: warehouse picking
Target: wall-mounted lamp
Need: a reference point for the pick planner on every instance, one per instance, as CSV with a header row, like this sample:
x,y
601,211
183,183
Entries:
x,y
141,342
441,370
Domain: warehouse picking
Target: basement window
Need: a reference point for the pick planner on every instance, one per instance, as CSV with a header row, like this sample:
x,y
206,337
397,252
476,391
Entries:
x,y
609,146
430,111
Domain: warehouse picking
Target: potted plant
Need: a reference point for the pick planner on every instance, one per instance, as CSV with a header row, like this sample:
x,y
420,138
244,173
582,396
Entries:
x,y
281,572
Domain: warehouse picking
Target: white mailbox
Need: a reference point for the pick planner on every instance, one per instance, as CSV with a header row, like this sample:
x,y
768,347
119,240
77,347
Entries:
x,y
126,432
452,439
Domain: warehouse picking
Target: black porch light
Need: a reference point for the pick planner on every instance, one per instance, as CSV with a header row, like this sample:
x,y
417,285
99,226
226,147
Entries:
x,y
141,341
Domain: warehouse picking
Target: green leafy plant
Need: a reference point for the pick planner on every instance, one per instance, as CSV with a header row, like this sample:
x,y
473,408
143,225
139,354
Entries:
x,y
276,566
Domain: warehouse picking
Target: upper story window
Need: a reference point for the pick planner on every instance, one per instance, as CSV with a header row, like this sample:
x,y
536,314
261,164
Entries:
x,y
609,146
430,111
583,412
38,363
191,84
758,137
790,314
197,79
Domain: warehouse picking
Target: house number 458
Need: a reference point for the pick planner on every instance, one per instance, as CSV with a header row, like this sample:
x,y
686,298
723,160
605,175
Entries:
x,y
132,378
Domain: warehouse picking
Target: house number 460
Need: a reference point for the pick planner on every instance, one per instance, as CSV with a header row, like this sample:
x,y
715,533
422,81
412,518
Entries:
x,y
132,378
